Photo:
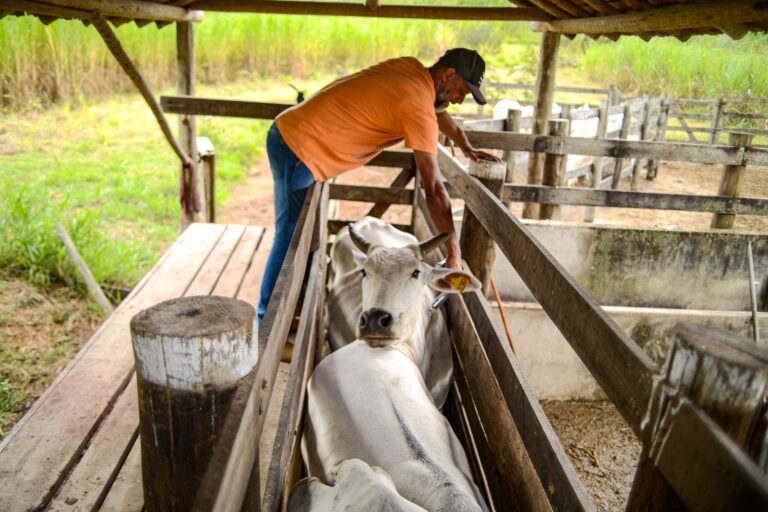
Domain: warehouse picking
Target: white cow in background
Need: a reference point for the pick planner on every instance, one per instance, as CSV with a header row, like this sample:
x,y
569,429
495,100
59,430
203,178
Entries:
x,y
345,299
368,400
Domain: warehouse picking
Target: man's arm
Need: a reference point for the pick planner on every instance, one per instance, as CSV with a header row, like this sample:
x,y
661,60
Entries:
x,y
438,203
449,127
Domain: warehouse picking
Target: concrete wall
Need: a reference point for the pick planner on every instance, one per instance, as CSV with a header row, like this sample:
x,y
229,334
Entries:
x,y
555,371
649,267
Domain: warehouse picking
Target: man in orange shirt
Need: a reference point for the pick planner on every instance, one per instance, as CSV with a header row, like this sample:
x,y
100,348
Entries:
x,y
352,120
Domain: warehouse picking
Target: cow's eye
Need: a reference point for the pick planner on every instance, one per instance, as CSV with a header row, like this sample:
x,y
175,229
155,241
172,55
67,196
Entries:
x,y
362,272
415,274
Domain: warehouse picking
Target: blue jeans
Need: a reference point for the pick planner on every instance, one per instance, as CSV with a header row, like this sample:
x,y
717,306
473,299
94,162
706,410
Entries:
x,y
292,179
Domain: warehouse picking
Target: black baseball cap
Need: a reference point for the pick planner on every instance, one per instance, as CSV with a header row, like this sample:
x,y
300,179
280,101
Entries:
x,y
470,66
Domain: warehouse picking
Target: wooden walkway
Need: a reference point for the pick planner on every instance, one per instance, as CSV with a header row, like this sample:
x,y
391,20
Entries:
x,y
77,448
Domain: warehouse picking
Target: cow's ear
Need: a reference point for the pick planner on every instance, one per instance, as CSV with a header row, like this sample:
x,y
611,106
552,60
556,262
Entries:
x,y
451,280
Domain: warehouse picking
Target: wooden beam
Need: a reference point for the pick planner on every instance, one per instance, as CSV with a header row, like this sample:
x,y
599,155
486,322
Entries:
x,y
621,368
671,151
185,84
703,15
425,12
225,481
43,9
133,9
631,199
191,105
400,181
371,194
730,182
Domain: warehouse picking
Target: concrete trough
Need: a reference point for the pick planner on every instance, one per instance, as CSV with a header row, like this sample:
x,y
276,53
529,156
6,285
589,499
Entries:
x,y
647,280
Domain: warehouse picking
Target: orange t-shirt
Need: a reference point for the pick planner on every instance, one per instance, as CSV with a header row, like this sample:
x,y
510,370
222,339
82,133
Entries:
x,y
353,119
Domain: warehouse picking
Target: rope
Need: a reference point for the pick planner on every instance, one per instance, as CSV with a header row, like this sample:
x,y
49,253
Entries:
x,y
188,189
503,315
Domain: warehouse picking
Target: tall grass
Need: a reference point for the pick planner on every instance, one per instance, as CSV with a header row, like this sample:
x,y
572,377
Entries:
x,y
702,67
42,64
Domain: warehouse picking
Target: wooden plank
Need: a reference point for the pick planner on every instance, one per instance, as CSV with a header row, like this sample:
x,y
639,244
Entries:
x,y
520,479
295,390
334,226
621,368
730,182
371,194
672,151
400,181
132,9
394,158
706,468
486,125
87,486
211,270
126,493
187,125
562,484
250,289
225,481
233,274
38,453
422,12
43,9
193,105
628,199
664,19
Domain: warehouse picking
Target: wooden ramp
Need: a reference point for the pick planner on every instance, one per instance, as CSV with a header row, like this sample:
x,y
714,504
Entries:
x,y
77,448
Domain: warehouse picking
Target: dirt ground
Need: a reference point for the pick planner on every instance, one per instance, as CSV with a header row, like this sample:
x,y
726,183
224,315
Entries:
x,y
35,328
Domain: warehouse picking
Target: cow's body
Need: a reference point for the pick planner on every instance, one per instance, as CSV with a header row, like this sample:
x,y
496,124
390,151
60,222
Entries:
x,y
368,400
356,487
345,305
371,404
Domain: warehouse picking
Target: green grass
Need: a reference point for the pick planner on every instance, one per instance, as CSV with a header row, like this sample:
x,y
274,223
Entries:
x,y
703,67
104,171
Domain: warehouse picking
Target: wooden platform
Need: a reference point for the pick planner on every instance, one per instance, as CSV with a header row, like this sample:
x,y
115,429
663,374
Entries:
x,y
77,448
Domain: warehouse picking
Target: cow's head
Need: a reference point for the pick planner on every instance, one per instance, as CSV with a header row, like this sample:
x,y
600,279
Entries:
x,y
393,287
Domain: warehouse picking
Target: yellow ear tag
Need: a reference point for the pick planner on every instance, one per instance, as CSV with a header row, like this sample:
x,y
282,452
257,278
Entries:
x,y
458,281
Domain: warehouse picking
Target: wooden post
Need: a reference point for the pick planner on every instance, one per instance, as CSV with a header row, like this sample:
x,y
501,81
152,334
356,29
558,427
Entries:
x,y
723,374
661,135
545,90
730,181
514,117
477,246
554,171
613,96
626,122
643,136
717,120
185,62
191,353
597,162
207,159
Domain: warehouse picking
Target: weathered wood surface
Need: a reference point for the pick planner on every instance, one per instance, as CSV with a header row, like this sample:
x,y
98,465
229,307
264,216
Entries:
x,y
225,481
46,448
424,12
129,9
191,354
730,183
371,194
623,370
484,345
193,105
185,85
545,89
400,181
126,493
554,169
93,286
629,199
334,226
726,377
671,151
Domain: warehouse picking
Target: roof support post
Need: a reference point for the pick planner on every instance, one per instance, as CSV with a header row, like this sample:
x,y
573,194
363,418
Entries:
x,y
185,64
545,91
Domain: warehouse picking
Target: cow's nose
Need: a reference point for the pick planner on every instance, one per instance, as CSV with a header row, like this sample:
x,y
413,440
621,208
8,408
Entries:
x,y
375,321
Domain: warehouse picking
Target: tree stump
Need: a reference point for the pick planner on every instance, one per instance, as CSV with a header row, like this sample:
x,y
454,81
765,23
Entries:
x,y
191,353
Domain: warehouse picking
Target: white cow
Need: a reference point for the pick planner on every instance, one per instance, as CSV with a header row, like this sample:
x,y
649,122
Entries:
x,y
345,299
355,487
368,400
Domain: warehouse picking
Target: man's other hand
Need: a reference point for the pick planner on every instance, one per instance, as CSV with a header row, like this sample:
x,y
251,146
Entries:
x,y
476,155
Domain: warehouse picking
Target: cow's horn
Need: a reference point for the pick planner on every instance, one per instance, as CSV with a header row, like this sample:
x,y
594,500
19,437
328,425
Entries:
x,y
360,241
432,243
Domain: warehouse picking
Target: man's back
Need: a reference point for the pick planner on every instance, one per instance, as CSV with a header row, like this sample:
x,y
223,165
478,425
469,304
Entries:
x,y
351,120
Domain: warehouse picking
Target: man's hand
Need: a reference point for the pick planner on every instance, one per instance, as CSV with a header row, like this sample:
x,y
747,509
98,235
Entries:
x,y
454,260
477,155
